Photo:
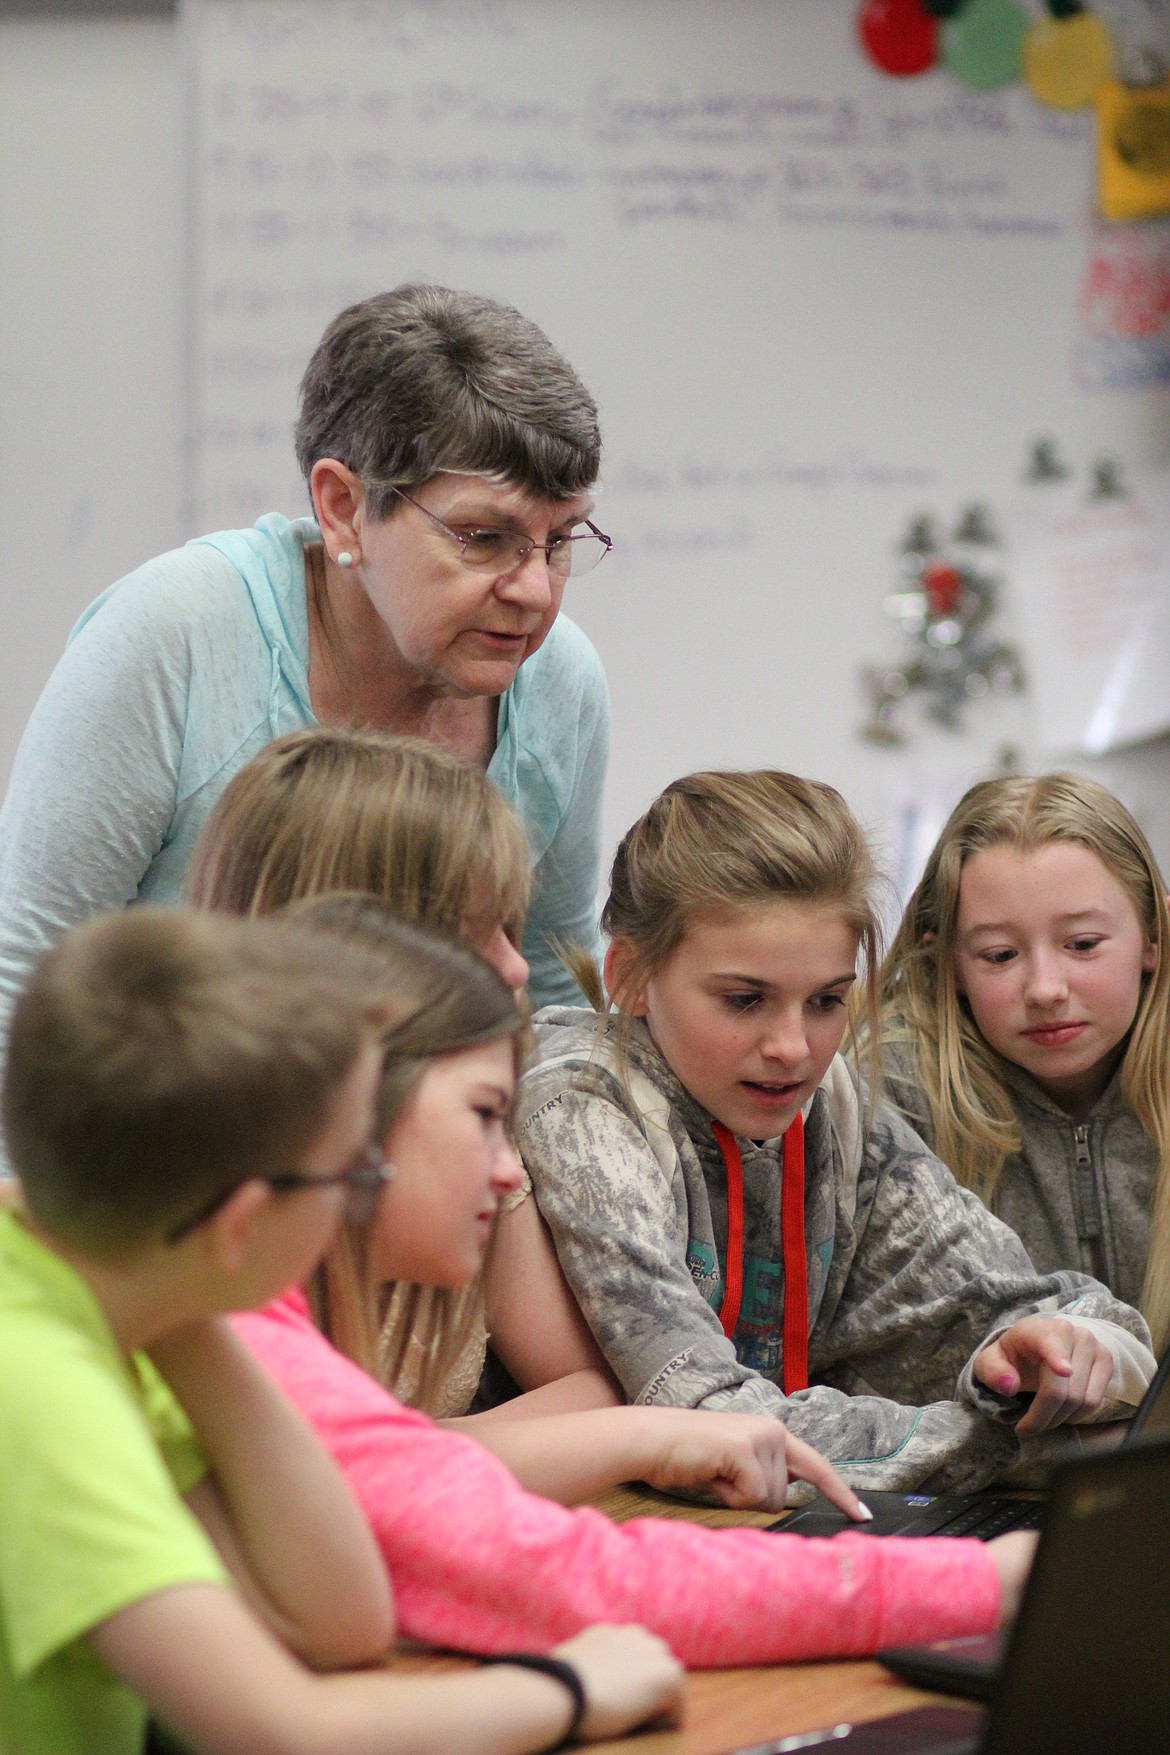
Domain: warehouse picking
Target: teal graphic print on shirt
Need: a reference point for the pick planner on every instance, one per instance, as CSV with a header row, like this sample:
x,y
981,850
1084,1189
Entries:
x,y
704,1270
758,1339
757,1335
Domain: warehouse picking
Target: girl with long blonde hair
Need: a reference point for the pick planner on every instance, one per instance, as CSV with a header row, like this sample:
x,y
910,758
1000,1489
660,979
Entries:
x,y
1026,1026
338,810
741,1228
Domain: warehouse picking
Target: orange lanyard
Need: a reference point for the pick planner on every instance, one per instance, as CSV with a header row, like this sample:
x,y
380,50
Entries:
x,y
792,1245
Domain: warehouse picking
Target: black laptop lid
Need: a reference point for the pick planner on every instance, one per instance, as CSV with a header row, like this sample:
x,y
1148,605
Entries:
x,y
1088,1671
1152,1419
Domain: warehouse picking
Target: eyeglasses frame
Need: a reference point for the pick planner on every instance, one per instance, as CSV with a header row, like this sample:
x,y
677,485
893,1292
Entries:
x,y
368,1177
522,542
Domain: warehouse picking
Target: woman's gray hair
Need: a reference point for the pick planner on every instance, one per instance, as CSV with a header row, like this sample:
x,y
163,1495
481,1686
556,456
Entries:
x,y
423,379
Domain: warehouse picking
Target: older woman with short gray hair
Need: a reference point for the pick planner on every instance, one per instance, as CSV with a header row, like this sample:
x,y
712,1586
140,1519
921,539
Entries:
x,y
450,453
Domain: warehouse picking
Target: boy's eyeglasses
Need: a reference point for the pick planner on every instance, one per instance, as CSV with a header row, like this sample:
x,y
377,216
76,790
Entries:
x,y
502,551
363,1183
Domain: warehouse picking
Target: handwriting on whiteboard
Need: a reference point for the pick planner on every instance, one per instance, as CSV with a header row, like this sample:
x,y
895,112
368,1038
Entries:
x,y
522,148
738,158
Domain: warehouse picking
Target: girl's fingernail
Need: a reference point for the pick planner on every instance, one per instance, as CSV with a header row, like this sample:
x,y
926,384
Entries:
x,y
866,1513
1006,1384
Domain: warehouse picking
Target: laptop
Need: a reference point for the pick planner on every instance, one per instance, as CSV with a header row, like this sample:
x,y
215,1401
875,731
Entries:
x,y
1088,1664
965,1514
972,1666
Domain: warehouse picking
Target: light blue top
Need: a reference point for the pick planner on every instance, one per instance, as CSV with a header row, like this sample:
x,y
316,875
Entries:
x,y
179,673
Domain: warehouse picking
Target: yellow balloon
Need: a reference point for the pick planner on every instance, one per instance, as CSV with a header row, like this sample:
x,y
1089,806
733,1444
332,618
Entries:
x,y
1067,60
1133,150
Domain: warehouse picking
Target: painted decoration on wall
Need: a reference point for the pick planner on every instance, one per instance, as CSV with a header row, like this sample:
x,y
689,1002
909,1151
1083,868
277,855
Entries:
x,y
945,603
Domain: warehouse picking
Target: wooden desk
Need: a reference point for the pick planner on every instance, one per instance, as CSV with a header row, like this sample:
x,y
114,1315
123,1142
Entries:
x,y
622,1503
731,1709
728,1709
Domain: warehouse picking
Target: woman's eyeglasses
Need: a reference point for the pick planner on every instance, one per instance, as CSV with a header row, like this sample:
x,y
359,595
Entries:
x,y
363,1183
502,551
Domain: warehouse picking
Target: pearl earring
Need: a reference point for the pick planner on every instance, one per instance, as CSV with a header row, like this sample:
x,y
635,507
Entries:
x,y
345,559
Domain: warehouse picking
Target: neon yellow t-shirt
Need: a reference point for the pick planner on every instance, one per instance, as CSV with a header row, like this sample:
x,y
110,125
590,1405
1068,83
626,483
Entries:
x,y
94,1455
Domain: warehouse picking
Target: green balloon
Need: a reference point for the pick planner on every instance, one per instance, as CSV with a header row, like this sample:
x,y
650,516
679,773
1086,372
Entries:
x,y
983,46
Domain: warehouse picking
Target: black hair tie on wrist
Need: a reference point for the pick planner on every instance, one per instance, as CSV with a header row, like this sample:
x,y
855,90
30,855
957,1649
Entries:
x,y
561,1672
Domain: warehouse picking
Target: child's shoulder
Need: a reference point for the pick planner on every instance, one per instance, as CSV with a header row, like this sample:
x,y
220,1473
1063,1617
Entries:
x,y
597,1056
901,1076
63,1378
575,1048
561,1029
44,1304
572,1037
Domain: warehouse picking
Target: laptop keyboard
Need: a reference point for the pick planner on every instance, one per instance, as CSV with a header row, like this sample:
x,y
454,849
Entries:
x,y
921,1514
987,1518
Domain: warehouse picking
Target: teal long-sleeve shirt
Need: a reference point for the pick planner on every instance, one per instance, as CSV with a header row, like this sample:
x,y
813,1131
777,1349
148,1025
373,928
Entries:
x,y
181,672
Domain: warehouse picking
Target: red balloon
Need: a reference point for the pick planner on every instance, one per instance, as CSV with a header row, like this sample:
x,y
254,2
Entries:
x,y
899,35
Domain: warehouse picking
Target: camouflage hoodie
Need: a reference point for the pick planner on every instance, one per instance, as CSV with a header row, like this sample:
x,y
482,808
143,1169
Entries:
x,y
908,1275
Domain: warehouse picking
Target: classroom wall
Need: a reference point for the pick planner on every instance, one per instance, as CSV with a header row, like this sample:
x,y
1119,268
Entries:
x,y
92,385
91,325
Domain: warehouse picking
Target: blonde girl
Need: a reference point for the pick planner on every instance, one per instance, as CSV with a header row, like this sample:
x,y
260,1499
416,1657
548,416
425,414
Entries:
x,y
333,809
1026,1026
738,1231
325,811
476,1561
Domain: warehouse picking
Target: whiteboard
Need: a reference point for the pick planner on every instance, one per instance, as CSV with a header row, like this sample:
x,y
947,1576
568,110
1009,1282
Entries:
x,y
810,301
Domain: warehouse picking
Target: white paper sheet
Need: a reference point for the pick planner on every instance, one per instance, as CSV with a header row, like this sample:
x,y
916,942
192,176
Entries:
x,y
1091,583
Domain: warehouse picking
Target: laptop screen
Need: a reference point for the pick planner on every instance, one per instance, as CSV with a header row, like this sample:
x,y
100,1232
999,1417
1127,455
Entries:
x,y
1087,1670
1152,1419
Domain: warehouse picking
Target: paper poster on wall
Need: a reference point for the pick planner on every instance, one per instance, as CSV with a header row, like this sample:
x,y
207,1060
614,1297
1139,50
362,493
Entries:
x,y
1123,310
1092,588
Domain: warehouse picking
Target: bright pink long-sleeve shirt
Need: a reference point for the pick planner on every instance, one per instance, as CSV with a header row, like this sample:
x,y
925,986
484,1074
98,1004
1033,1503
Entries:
x,y
480,1564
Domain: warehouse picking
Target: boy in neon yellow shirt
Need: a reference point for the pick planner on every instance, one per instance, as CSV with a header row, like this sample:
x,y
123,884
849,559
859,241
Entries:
x,y
188,1099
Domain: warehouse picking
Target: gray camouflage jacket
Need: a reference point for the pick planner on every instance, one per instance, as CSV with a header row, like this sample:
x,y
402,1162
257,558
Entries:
x,y
1078,1193
909,1275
